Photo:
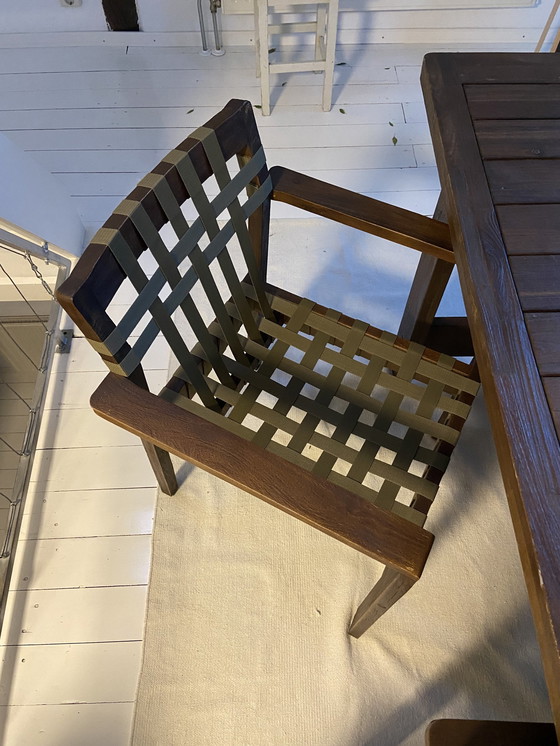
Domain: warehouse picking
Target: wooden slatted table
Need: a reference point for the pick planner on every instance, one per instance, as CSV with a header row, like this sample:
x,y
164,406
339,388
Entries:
x,y
495,124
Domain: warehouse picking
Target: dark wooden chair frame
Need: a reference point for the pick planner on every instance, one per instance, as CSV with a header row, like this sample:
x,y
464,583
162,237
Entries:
x,y
124,399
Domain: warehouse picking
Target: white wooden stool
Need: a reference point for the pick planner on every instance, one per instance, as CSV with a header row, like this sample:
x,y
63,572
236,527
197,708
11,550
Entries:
x,y
324,27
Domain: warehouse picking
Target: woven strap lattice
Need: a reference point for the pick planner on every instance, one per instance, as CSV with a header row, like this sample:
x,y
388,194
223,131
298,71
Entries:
x,y
343,400
170,286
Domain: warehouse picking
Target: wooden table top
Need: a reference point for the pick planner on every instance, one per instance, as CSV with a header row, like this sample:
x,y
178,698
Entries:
x,y
495,123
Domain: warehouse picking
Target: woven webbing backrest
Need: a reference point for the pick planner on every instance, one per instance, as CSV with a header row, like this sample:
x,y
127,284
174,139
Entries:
x,y
190,218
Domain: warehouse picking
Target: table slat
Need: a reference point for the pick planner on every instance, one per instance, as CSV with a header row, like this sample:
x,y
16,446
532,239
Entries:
x,y
513,101
537,279
544,334
518,138
552,389
524,181
530,229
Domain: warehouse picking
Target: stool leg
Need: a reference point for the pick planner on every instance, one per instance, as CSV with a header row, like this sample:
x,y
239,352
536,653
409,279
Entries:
x,y
321,32
262,42
332,24
547,25
391,586
256,32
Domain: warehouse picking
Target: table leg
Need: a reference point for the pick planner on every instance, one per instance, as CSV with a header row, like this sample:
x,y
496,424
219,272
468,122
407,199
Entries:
x,y
164,472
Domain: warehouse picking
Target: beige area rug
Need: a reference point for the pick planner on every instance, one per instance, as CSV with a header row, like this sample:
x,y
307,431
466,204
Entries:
x,y
246,641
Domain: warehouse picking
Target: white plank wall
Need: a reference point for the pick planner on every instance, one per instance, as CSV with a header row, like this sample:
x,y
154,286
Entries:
x,y
99,118
360,21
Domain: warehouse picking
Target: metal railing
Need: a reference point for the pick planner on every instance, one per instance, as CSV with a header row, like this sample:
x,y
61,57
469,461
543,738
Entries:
x,y
41,258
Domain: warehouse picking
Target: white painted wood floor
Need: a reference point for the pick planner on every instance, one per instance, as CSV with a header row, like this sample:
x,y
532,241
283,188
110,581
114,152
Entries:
x,y
99,118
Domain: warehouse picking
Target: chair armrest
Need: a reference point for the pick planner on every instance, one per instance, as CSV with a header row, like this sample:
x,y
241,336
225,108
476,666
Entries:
x,y
365,213
349,518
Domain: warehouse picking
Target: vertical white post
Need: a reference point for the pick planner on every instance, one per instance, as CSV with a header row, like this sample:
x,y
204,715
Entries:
x,y
332,25
321,32
261,23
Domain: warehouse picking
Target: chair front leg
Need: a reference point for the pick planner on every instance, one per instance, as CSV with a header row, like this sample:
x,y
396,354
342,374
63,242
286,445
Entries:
x,y
160,461
428,286
391,586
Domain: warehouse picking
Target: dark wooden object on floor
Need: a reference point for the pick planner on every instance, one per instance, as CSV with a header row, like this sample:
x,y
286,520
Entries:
x,y
495,123
489,733
337,423
121,15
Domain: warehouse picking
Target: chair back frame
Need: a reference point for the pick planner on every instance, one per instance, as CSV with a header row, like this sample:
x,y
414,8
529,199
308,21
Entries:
x,y
133,227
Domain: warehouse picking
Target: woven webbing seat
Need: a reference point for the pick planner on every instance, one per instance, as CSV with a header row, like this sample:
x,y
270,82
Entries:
x,y
345,426
333,412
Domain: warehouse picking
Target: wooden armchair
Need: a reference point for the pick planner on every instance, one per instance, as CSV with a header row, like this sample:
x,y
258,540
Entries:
x,y
343,426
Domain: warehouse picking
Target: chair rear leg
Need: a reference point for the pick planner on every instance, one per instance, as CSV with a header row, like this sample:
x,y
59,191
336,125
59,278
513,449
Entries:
x,y
160,461
428,286
391,586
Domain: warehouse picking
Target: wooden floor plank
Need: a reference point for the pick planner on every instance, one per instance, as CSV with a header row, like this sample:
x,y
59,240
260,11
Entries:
x,y
83,562
92,468
40,617
80,428
83,358
54,674
421,201
167,137
187,96
51,725
138,162
389,179
71,391
71,514
221,76
99,118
